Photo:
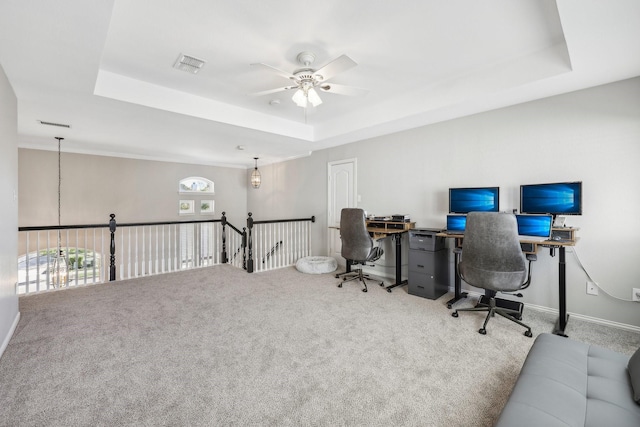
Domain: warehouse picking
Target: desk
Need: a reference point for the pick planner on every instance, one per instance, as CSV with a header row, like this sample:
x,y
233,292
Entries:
x,y
530,247
395,230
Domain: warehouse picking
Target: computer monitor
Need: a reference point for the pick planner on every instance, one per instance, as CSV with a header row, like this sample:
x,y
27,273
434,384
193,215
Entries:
x,y
465,200
456,224
534,227
561,198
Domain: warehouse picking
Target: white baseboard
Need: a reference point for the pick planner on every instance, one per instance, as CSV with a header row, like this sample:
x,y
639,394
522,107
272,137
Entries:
x,y
587,318
5,342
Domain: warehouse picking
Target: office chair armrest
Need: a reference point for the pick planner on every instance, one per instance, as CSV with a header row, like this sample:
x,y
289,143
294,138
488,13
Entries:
x,y
532,257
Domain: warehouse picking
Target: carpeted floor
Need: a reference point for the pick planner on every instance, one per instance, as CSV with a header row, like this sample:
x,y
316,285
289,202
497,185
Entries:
x,y
220,347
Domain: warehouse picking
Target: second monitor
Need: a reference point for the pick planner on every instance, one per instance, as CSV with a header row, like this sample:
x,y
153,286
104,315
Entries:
x,y
473,199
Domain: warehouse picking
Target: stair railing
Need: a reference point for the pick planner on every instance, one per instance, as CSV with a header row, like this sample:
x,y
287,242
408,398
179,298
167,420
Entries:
x,y
277,243
148,248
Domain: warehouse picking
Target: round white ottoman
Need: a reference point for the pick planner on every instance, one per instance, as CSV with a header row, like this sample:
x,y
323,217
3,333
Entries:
x,y
316,264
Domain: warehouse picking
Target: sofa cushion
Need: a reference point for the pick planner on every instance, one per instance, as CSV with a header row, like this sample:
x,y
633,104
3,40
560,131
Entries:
x,y
569,383
634,374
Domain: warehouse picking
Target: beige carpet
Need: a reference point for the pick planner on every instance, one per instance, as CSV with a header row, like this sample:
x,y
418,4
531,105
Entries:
x,y
220,347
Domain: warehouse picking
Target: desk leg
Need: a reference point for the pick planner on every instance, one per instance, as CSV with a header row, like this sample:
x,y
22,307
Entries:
x,y
399,282
563,317
457,288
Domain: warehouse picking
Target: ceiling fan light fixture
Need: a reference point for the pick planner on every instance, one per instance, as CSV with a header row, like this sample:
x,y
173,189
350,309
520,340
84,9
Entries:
x,y
307,81
313,97
299,98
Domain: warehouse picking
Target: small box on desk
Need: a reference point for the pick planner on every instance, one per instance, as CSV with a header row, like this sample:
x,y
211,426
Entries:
x,y
425,239
565,234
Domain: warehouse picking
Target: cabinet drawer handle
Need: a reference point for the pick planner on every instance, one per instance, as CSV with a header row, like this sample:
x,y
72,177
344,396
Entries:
x,y
420,265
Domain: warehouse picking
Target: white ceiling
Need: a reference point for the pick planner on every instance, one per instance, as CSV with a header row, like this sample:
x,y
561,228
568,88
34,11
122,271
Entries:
x,y
105,67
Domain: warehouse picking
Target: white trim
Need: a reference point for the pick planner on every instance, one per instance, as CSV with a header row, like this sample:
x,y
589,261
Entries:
x,y
175,158
587,318
5,343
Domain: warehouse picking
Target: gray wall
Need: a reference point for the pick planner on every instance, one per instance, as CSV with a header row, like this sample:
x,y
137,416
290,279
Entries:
x,y
9,314
135,190
591,136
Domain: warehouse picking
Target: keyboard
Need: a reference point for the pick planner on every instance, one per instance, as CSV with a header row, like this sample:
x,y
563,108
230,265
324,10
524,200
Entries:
x,y
534,238
454,231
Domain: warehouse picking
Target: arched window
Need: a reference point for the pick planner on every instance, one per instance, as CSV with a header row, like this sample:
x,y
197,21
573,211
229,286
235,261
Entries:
x,y
196,184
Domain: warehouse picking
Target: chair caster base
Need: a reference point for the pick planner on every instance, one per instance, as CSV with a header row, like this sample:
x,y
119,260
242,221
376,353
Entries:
x,y
528,334
339,285
482,331
364,290
454,314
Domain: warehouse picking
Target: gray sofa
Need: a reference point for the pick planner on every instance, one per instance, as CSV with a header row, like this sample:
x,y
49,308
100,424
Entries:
x,y
569,383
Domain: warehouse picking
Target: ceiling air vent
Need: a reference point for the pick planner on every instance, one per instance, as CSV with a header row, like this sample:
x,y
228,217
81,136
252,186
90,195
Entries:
x,y
189,64
62,125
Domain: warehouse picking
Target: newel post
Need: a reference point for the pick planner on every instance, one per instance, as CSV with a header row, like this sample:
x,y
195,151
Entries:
x,y
250,245
112,248
225,259
244,248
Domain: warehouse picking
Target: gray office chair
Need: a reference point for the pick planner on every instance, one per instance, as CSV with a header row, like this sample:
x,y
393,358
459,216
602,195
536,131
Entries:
x,y
357,245
491,259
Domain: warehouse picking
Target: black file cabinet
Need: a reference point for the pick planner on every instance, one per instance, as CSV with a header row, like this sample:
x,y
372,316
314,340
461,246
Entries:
x,y
428,264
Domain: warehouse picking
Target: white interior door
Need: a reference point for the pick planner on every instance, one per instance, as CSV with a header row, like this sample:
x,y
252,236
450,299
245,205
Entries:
x,y
342,194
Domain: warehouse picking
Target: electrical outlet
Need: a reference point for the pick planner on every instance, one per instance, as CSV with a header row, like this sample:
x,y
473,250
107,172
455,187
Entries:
x,y
636,294
592,289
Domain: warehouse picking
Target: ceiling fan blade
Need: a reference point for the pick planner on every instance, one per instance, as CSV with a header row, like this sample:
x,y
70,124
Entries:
x,y
338,65
343,89
269,91
273,69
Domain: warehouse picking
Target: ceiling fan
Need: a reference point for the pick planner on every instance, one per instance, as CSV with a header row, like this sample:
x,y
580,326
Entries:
x,y
306,80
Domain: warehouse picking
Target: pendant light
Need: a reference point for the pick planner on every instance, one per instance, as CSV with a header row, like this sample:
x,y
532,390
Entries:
x,y
59,271
256,178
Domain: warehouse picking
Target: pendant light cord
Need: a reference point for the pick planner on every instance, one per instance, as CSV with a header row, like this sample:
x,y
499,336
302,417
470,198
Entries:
x,y
59,182
59,195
